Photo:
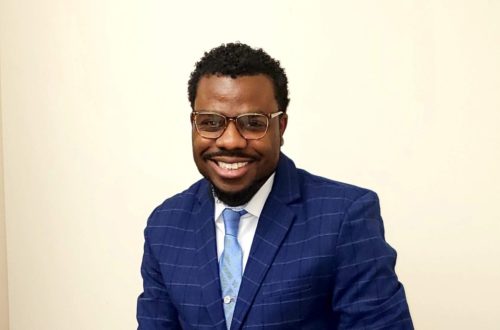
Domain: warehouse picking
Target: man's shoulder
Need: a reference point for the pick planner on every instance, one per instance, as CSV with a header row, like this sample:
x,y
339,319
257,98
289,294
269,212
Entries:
x,y
316,186
181,202
293,182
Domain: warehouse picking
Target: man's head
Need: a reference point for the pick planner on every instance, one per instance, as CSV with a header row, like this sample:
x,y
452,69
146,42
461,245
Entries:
x,y
234,80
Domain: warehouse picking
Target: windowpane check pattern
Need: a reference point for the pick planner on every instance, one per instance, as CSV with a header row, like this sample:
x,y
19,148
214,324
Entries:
x,y
319,261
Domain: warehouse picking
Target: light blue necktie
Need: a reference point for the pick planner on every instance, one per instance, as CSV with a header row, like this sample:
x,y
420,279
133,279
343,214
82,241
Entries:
x,y
231,263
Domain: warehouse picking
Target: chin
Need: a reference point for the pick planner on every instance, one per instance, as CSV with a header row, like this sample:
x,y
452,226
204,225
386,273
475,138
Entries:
x,y
234,198
238,197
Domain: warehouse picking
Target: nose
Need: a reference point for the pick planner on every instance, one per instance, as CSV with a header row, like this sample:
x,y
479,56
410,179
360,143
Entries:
x,y
231,138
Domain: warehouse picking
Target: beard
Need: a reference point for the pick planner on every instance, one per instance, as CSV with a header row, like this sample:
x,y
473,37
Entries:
x,y
241,197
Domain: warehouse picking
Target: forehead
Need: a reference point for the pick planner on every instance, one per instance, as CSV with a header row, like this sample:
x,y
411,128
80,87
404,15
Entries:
x,y
253,91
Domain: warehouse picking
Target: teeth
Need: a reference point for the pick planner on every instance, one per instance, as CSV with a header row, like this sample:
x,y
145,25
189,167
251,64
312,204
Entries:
x,y
231,166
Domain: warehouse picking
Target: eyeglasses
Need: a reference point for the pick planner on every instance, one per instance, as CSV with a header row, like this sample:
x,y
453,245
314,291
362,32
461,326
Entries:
x,y
252,126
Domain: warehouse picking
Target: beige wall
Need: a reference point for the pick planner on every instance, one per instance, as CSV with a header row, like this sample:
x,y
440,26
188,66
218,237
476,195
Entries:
x,y
4,292
398,96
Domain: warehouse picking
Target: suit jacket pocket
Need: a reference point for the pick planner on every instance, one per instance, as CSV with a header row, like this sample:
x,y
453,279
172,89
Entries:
x,y
286,289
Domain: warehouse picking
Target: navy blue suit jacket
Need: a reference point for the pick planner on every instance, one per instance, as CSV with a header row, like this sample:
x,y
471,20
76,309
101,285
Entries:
x,y
319,260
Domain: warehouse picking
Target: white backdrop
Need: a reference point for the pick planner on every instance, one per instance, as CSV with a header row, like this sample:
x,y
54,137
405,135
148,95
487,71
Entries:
x,y
398,96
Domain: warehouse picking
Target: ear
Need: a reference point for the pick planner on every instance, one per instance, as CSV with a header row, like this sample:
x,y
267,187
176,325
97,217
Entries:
x,y
283,123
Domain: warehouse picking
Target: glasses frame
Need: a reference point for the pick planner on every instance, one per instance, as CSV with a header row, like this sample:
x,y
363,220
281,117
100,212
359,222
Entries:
x,y
227,119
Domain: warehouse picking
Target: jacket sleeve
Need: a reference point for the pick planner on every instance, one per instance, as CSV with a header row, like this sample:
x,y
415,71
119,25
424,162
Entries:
x,y
367,292
154,307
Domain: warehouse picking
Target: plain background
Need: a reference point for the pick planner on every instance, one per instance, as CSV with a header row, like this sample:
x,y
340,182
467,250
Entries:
x,y
398,96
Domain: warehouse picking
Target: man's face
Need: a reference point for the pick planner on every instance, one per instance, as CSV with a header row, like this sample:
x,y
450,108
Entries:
x,y
235,166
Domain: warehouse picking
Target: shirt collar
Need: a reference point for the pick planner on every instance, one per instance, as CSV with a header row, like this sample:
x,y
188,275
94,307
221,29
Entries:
x,y
254,206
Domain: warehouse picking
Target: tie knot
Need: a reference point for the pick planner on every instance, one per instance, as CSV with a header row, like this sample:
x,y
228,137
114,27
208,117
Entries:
x,y
232,221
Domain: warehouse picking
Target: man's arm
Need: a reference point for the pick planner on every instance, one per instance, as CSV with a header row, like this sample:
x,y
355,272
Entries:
x,y
367,292
154,308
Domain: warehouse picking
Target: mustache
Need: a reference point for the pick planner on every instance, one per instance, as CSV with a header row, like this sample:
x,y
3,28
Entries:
x,y
226,153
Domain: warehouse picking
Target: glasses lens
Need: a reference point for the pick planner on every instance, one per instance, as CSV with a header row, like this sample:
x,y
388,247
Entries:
x,y
252,126
210,124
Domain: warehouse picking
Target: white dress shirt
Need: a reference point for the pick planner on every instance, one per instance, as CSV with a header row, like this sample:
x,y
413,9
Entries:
x,y
248,222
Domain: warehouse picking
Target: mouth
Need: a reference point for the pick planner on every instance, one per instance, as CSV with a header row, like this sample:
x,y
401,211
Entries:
x,y
230,169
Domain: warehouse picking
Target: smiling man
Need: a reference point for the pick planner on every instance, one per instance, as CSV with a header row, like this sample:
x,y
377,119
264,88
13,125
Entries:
x,y
258,243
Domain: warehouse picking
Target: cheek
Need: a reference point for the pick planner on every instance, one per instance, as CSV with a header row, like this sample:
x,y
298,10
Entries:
x,y
275,140
199,143
269,148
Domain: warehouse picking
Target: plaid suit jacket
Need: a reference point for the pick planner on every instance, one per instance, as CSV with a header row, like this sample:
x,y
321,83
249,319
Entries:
x,y
319,260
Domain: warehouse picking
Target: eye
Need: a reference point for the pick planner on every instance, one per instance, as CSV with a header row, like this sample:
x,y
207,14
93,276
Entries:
x,y
209,122
253,122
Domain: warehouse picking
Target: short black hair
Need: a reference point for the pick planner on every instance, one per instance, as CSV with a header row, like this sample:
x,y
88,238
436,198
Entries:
x,y
238,59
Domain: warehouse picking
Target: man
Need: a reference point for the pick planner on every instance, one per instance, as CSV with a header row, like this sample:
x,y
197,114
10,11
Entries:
x,y
258,243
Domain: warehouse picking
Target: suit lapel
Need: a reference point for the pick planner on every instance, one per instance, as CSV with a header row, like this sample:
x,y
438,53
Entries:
x,y
206,252
274,222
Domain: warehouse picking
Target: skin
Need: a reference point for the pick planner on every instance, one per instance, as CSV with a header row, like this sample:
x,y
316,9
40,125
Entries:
x,y
231,97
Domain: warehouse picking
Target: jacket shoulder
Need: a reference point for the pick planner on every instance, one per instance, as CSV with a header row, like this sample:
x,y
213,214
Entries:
x,y
315,186
180,203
